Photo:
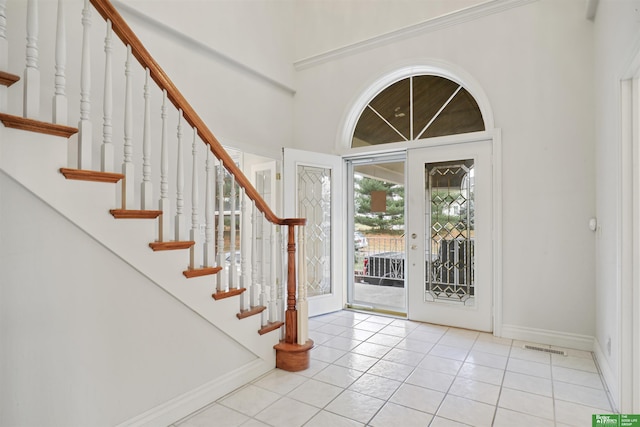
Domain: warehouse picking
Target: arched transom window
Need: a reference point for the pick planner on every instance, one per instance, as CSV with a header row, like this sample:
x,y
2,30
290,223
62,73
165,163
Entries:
x,y
417,107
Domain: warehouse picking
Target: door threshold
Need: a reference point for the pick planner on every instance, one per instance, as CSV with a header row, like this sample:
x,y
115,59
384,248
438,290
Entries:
x,y
371,309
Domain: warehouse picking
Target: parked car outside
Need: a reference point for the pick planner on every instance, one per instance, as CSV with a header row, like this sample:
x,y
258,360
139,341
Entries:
x,y
360,240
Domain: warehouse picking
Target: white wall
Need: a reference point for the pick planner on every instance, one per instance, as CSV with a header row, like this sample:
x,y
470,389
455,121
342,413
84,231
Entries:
x,y
535,64
86,339
321,26
617,33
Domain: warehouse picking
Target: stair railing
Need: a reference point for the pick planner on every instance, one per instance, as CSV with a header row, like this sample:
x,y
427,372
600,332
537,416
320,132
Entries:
x,y
234,190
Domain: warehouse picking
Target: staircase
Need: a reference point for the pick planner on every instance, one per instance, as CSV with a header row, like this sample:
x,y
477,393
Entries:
x,y
112,196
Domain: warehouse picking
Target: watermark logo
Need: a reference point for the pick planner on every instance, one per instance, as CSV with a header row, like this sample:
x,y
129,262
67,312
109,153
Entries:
x,y
615,420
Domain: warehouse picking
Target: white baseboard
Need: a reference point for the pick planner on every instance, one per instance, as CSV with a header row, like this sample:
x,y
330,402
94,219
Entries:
x,y
545,336
189,402
610,379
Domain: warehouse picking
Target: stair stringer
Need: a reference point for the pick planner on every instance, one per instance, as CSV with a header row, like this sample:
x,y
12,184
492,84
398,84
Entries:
x,y
34,161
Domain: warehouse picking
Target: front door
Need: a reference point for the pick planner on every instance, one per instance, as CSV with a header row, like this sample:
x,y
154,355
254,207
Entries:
x,y
313,190
449,235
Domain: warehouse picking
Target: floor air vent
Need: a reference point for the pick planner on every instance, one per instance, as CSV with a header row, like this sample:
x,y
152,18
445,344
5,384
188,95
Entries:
x,y
546,350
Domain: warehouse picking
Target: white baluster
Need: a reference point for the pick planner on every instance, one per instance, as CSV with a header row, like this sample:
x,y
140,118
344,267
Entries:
x,y
84,127
245,275
4,52
195,253
146,186
265,288
303,305
107,152
60,98
165,203
128,200
222,275
254,286
209,254
180,219
233,271
273,279
32,73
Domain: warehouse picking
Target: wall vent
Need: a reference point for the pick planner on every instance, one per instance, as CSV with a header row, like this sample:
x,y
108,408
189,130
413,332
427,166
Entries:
x,y
546,350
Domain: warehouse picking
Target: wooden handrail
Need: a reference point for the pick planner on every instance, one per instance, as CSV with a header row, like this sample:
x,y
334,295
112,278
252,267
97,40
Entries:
x,y
128,37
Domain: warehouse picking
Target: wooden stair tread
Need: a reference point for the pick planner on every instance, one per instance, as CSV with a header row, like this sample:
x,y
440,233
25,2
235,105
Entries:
x,y
251,312
31,125
230,293
7,79
198,272
134,214
88,175
171,246
271,326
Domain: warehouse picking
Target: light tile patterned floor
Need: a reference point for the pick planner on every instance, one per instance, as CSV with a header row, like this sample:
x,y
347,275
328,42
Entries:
x,y
381,371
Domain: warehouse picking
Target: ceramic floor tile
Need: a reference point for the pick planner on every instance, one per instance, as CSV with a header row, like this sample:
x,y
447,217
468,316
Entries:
x,y
431,379
375,386
356,361
319,337
444,422
457,341
255,423
391,370
405,357
466,411
326,354
250,400
397,331
508,418
573,362
287,412
528,383
279,381
325,419
316,393
315,366
392,414
356,406
383,371
357,334
419,398
338,376
574,414
371,349
421,335
579,394
491,348
532,404
481,373
449,352
529,368
574,376
415,345
215,415
369,326
331,329
440,364
342,343
475,390
487,359
382,339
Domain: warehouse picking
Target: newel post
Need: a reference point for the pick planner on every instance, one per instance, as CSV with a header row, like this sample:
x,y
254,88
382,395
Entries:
x,y
290,355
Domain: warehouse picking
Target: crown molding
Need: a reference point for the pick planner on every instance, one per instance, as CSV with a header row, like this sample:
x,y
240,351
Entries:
x,y
454,18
